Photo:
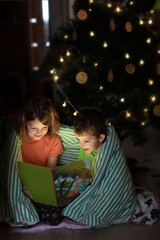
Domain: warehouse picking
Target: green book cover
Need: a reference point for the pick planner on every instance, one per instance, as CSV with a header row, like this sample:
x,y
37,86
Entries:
x,y
56,186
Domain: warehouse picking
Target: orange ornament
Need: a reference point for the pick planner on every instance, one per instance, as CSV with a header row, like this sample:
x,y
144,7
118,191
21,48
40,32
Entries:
x,y
156,110
128,27
82,15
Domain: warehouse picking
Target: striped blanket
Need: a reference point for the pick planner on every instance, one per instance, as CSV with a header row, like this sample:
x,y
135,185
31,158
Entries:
x,y
110,199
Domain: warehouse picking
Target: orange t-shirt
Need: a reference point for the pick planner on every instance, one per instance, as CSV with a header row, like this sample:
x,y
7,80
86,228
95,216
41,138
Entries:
x,y
38,151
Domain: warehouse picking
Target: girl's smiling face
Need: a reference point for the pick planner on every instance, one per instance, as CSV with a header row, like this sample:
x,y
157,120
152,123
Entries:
x,y
90,143
36,129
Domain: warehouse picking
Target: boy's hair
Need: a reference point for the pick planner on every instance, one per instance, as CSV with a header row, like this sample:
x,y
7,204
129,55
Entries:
x,y
40,108
90,120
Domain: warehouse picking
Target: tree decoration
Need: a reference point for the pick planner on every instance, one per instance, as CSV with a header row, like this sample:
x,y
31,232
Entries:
x,y
156,110
82,15
130,68
128,27
110,75
81,77
112,24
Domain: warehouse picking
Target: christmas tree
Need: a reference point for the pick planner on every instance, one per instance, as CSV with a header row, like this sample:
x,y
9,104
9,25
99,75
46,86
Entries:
x,y
109,57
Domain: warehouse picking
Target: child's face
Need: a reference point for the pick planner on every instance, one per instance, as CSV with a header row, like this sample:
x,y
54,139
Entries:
x,y
36,129
89,142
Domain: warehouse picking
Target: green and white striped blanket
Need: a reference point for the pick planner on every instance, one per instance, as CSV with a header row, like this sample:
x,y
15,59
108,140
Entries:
x,y
109,200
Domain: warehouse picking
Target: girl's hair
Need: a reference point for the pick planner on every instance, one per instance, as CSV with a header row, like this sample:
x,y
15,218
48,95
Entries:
x,y
40,108
90,120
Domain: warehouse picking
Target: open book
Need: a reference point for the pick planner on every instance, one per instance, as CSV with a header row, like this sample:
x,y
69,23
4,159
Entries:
x,y
56,186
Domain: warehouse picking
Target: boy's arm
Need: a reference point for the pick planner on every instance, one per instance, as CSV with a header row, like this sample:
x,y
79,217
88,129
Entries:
x,y
52,162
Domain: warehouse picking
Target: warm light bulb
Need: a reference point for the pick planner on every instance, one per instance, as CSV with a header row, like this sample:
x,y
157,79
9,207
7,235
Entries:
x,y
61,59
150,21
158,51
92,33
90,9
55,77
128,114
52,70
109,4
150,82
75,113
105,44
65,36
68,53
95,64
141,62
131,3
118,9
91,1
148,40
127,55
143,124
64,104
141,22
100,88
122,100
153,98
145,110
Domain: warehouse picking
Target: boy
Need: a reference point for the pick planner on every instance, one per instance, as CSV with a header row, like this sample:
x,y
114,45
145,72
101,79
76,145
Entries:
x,y
111,198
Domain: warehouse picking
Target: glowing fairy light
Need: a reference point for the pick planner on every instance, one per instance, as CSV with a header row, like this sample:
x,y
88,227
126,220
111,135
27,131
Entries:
x,y
118,9
66,36
158,51
122,100
141,22
64,104
150,82
150,21
91,33
148,40
95,64
128,114
141,62
52,70
127,55
75,113
55,78
68,53
131,3
100,88
143,124
61,59
91,1
153,98
105,44
109,4
90,9
145,110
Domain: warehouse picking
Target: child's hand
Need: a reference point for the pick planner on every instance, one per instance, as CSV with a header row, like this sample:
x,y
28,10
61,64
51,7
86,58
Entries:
x,y
26,192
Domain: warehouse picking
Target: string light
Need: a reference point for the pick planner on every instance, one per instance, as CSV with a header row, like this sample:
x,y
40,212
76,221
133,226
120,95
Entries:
x,y
90,9
100,88
141,62
122,100
145,110
143,124
150,82
55,78
91,33
128,114
95,64
105,44
61,59
91,1
150,21
148,40
158,51
64,104
127,55
52,70
109,4
131,3
141,22
68,53
153,98
75,113
66,36
118,9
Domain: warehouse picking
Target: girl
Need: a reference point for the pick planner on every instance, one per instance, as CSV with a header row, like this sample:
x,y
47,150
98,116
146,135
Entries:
x,y
36,126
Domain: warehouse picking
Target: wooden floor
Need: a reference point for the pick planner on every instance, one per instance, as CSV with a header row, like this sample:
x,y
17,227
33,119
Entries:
x,y
148,156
